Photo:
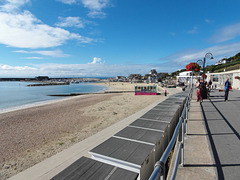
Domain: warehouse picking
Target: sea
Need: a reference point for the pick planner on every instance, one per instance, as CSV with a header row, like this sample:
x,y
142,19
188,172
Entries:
x,y
16,94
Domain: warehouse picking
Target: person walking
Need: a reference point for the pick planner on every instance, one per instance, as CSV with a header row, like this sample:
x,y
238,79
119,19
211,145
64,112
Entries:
x,y
199,91
210,85
226,88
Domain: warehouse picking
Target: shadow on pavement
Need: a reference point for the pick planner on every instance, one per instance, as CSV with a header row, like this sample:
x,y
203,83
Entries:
x,y
213,147
225,119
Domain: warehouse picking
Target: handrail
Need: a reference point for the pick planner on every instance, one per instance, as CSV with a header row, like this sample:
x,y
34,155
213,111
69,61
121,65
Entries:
x,y
160,165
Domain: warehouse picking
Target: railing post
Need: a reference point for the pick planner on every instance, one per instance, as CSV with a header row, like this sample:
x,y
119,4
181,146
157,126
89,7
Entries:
x,y
180,132
186,117
164,172
180,137
182,144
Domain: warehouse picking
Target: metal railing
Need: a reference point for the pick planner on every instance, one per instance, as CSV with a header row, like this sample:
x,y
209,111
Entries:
x,y
160,166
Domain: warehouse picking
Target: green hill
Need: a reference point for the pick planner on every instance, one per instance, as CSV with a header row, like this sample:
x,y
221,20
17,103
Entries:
x,y
233,64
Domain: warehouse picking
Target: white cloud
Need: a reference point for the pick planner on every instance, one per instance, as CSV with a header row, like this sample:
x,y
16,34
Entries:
x,y
71,70
227,33
71,22
209,21
12,5
32,58
68,1
95,7
55,53
193,31
15,68
24,30
181,59
96,14
17,71
96,60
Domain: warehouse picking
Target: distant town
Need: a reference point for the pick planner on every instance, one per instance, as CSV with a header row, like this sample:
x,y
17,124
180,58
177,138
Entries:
x,y
151,77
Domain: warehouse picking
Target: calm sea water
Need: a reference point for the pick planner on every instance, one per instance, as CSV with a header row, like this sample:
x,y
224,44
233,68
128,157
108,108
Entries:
x,y
15,94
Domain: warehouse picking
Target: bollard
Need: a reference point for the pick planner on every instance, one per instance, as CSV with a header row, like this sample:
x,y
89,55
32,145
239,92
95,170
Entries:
x,y
165,93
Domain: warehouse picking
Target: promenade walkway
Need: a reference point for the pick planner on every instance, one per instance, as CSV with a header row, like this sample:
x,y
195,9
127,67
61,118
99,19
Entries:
x,y
212,146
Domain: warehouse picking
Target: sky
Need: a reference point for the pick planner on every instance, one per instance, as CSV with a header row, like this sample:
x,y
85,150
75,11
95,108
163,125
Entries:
x,y
108,38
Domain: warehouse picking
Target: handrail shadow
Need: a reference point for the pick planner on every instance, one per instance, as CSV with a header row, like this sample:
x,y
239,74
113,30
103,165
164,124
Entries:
x,y
213,147
209,165
225,119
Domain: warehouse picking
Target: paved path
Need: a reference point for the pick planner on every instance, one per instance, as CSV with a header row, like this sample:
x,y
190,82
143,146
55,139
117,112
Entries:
x,y
213,140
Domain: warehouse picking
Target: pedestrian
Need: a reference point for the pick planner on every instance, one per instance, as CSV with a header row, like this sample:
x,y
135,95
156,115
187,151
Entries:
x,y
210,85
203,87
226,88
199,91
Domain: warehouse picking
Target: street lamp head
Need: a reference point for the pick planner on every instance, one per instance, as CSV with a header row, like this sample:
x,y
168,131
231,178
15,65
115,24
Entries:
x,y
209,55
201,61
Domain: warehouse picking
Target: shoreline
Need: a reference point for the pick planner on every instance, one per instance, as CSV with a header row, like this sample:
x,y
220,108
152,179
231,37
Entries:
x,y
61,98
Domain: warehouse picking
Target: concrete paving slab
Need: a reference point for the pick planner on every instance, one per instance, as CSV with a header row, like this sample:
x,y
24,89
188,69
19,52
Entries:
x,y
150,124
123,150
157,117
161,112
139,134
168,108
86,168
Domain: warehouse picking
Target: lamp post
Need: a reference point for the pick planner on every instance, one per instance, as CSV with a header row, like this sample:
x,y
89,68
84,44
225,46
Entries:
x,y
204,90
199,64
204,61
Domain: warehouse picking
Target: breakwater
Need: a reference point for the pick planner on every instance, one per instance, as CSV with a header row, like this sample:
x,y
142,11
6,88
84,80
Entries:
x,y
50,84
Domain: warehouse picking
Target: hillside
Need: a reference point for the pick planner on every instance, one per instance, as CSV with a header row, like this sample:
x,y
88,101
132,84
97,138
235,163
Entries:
x,y
232,65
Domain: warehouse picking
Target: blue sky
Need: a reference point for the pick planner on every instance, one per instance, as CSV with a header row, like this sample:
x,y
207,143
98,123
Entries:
x,y
62,38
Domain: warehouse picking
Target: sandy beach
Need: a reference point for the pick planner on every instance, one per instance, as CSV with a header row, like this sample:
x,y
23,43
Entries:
x,y
30,135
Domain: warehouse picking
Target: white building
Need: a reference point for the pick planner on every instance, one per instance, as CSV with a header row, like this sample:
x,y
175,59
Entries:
x,y
188,76
223,61
219,79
